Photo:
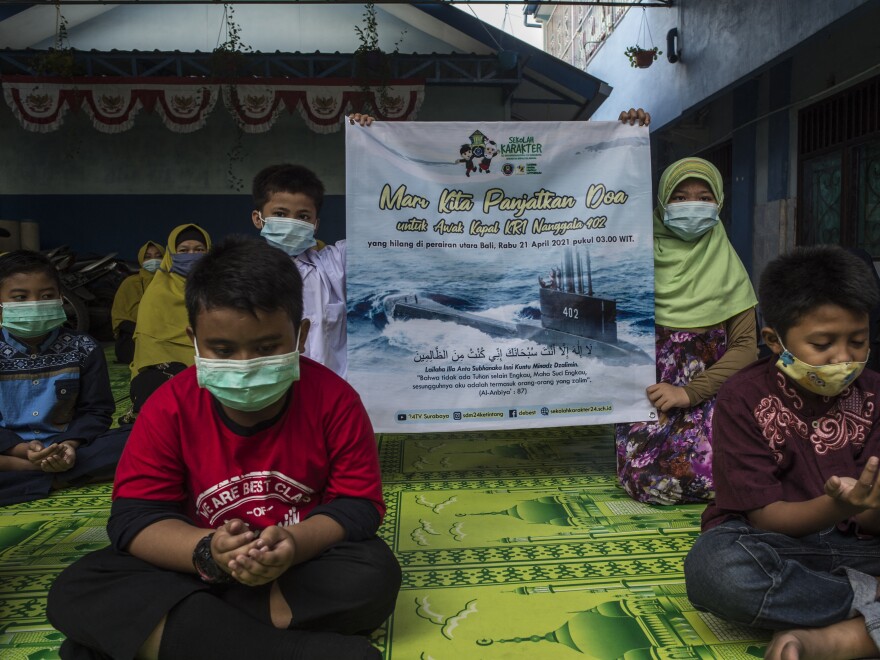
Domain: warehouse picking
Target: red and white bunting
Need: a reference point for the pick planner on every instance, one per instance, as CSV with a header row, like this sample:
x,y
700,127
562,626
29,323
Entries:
x,y
113,104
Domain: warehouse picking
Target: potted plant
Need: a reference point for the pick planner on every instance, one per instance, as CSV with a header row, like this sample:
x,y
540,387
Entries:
x,y
228,58
372,66
640,57
369,58
59,60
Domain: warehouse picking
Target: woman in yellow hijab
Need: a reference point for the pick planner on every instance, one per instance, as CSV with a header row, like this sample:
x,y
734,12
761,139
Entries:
x,y
128,298
161,347
705,331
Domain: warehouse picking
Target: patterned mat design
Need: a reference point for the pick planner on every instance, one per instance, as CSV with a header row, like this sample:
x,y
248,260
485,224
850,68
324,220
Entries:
x,y
513,545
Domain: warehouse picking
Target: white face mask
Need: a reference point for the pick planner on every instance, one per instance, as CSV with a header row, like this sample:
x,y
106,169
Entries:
x,y
690,220
288,234
152,265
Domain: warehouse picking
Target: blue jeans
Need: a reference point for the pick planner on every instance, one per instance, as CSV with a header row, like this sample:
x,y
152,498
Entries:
x,y
770,580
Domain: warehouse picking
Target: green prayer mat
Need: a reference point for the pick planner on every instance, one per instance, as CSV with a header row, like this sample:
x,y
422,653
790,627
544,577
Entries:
x,y
513,544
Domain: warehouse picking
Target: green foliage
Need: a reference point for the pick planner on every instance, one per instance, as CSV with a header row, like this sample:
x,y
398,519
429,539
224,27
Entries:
x,y
372,66
369,32
642,57
227,59
60,60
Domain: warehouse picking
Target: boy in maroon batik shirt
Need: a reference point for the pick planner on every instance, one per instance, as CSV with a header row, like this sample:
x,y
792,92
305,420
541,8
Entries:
x,y
791,542
247,501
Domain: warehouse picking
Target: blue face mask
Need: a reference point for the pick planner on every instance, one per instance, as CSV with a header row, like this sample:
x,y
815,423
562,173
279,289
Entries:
x,y
288,234
248,385
152,265
183,263
33,318
690,220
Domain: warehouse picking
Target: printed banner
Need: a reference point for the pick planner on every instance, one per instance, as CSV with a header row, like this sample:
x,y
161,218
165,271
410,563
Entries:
x,y
500,275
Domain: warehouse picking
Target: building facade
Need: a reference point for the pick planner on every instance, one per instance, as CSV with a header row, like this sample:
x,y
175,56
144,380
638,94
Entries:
x,y
783,96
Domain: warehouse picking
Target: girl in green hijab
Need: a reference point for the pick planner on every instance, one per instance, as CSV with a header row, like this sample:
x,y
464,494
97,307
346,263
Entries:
x,y
705,332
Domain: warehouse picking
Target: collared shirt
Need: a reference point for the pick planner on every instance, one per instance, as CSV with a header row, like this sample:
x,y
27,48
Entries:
x,y
774,442
323,275
59,390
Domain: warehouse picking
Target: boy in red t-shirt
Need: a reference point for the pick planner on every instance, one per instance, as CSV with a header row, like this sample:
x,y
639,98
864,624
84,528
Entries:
x,y
792,540
247,501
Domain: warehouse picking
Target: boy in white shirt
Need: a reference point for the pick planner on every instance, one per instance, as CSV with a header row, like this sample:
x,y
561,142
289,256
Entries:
x,y
287,199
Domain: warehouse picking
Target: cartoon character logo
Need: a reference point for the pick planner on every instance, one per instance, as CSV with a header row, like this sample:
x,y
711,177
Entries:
x,y
490,150
467,157
507,169
476,149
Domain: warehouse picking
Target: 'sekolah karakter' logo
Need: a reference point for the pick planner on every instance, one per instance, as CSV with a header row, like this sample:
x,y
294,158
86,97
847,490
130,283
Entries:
x,y
478,152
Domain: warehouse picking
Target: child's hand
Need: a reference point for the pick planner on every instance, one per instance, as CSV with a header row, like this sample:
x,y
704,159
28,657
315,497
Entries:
x,y
232,539
270,556
862,493
61,461
632,116
664,397
59,457
363,120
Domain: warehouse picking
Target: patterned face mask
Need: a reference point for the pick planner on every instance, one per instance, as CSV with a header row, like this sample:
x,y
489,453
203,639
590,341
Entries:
x,y
825,380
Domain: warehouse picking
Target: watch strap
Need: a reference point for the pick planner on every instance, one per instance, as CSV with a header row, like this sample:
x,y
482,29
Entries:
x,y
205,564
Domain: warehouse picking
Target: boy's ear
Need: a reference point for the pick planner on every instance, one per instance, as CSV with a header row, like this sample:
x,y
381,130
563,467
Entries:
x,y
255,218
191,334
304,326
772,340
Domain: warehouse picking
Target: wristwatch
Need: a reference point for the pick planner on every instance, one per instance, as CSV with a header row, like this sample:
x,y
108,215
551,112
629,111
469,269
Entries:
x,y
206,566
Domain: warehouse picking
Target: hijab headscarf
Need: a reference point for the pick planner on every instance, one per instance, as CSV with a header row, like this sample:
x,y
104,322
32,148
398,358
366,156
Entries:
x,y
160,335
128,295
696,283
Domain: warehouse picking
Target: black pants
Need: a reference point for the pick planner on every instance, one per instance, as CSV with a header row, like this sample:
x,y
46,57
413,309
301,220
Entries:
x,y
124,347
108,602
150,379
95,461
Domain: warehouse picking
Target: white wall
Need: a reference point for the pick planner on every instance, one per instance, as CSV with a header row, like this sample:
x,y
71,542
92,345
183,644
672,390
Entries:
x,y
720,43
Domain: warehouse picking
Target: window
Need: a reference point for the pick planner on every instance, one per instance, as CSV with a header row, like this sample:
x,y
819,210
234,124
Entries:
x,y
839,169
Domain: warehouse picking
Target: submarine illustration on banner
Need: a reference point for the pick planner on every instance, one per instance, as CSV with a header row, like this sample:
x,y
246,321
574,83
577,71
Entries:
x,y
571,315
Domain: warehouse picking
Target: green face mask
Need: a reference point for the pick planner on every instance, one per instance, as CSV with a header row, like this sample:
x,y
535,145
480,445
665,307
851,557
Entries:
x,y
248,385
33,318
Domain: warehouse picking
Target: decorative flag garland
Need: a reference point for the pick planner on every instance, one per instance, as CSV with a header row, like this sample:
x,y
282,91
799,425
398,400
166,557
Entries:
x,y
40,104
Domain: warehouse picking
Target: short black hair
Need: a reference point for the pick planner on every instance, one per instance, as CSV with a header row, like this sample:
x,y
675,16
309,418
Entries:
x,y
794,284
247,274
27,261
287,178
